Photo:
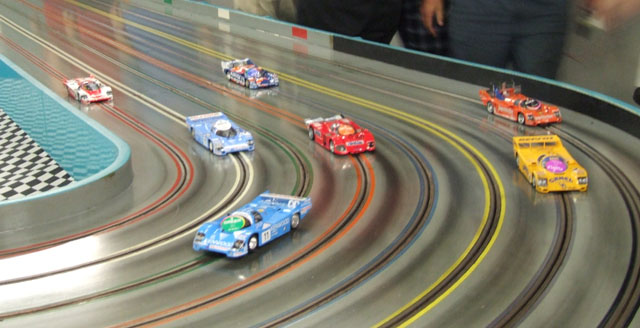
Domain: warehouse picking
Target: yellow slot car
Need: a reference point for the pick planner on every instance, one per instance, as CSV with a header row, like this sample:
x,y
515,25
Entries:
x,y
548,165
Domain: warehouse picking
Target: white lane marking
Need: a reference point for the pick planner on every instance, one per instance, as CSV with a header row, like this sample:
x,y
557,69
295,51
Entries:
x,y
166,111
7,274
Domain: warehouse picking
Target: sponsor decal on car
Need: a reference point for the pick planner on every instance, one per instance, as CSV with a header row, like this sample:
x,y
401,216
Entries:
x,y
233,223
554,164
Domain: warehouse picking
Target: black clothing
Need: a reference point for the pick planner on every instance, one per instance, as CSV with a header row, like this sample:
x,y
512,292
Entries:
x,y
374,20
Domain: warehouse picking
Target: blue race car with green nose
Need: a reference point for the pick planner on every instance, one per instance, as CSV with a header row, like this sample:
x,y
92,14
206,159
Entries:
x,y
264,219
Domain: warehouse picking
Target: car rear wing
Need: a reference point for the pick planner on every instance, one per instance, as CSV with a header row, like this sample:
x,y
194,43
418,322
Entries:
x,y
226,65
283,200
536,141
209,116
71,83
310,121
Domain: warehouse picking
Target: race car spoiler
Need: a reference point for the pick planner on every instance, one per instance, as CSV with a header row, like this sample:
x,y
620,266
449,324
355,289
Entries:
x,y
549,137
204,116
541,140
320,119
236,62
269,196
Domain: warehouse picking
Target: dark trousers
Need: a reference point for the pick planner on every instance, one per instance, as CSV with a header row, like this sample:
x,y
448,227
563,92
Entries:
x,y
526,35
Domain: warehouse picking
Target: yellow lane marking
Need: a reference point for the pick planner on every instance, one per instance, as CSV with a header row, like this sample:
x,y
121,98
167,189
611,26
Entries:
x,y
433,128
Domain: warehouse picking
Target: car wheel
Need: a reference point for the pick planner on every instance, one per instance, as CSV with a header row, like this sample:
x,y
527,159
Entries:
x,y
490,107
229,76
193,132
533,181
246,83
332,147
311,134
295,221
253,243
520,118
84,99
210,146
517,161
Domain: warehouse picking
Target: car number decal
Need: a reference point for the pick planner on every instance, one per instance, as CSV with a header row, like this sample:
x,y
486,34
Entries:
x,y
266,236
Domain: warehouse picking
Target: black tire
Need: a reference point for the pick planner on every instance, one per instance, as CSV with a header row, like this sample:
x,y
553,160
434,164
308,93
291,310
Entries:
x,y
246,83
533,181
83,99
332,147
521,118
517,161
193,132
252,243
295,221
210,146
490,107
312,135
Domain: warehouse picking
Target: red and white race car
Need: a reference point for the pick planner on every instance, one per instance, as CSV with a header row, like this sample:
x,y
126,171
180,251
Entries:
x,y
508,102
88,89
340,135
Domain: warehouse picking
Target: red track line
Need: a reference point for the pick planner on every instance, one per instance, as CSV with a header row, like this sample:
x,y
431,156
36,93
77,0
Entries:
x,y
149,134
260,275
276,111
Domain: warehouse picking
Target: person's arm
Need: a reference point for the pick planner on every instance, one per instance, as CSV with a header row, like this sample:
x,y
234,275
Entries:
x,y
429,10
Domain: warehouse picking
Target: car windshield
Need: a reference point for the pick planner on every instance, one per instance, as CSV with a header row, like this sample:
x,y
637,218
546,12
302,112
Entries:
x,y
228,133
346,130
255,72
91,86
531,104
235,222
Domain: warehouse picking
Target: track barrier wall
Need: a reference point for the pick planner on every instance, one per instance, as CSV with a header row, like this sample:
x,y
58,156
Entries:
x,y
593,104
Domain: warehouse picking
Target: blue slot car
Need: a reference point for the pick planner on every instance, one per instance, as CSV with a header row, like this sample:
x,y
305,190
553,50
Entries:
x,y
219,134
264,219
245,72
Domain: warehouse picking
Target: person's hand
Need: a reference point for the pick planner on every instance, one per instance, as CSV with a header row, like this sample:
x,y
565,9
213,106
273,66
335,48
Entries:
x,y
613,12
430,9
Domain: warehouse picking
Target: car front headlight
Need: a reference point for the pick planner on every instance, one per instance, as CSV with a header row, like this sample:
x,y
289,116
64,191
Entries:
x,y
238,244
542,182
583,180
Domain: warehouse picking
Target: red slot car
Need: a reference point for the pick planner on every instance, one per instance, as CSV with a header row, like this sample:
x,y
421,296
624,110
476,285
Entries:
x,y
508,102
340,135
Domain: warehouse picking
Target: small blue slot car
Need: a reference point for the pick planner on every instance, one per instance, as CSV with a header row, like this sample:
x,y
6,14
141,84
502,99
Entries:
x,y
245,72
219,134
264,219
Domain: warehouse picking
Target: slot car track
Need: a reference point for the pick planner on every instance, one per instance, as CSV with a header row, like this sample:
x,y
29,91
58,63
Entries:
x,y
623,309
436,228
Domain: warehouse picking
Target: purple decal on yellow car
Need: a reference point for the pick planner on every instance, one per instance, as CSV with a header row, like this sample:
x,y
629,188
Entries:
x,y
554,164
